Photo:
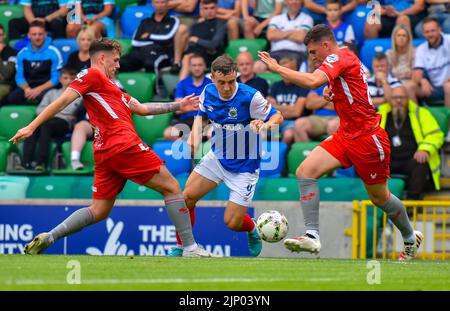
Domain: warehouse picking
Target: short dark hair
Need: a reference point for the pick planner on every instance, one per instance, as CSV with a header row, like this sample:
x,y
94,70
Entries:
x,y
105,45
334,2
380,56
204,2
37,23
195,55
319,32
1,27
68,71
224,64
430,19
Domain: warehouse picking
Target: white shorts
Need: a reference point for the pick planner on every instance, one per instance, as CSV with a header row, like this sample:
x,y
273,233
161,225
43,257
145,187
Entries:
x,y
242,185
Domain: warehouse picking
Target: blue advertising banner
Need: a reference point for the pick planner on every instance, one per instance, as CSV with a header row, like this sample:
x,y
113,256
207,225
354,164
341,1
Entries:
x,y
129,230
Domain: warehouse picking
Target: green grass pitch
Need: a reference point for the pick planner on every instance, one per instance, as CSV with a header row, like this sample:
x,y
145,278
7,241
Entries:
x,y
49,272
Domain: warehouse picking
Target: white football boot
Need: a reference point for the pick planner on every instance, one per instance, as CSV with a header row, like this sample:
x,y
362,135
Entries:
x,y
197,252
303,244
411,249
39,244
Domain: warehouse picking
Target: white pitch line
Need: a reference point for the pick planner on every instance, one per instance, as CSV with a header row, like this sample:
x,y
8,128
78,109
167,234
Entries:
x,y
164,281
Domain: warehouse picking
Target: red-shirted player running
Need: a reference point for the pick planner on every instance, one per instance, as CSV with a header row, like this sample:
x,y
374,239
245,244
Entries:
x,y
118,151
359,141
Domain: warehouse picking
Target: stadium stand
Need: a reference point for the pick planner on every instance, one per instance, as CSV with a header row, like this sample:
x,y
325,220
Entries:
x,y
298,153
13,187
442,115
132,17
65,47
13,118
51,187
87,158
4,151
270,77
7,13
274,169
177,156
82,189
357,18
126,45
246,45
151,128
133,191
140,85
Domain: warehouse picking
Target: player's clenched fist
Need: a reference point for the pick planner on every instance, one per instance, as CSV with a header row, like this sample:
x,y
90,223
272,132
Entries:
x,y
21,134
257,126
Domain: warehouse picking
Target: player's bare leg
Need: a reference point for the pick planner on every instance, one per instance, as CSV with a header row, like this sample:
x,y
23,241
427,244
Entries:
x,y
168,186
78,220
318,162
381,196
237,219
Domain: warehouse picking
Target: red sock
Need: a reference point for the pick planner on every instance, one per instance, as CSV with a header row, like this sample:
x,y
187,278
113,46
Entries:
x,y
247,224
192,216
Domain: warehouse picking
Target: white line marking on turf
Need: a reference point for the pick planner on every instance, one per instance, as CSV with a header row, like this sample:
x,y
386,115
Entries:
x,y
163,281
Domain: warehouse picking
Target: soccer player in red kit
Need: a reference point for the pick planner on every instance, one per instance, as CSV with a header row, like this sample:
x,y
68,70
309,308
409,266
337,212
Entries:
x,y
119,153
359,141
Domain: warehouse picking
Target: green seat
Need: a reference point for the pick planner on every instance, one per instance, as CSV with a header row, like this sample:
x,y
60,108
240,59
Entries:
x,y
87,158
270,77
277,189
126,45
169,81
7,13
151,128
4,151
13,187
140,85
83,187
122,4
298,153
19,150
13,118
441,114
133,191
246,45
51,187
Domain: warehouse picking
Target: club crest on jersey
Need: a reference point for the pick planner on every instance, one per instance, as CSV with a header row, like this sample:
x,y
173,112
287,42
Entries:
x,y
332,58
81,74
232,114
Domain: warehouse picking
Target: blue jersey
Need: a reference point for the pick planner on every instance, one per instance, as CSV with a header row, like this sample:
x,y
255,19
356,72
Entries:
x,y
343,32
233,143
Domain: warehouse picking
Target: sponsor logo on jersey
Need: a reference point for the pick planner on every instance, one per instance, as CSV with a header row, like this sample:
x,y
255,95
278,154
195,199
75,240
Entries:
x,y
81,74
332,58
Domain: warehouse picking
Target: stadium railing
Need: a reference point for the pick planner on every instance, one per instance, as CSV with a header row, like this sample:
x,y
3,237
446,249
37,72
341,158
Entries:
x,y
385,241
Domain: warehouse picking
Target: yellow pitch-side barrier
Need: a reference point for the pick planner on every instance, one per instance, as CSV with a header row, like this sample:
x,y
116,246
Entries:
x,y
373,236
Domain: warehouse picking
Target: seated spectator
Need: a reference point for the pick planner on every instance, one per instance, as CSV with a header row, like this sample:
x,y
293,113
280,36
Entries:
x,y
394,12
57,127
381,82
193,84
247,76
188,11
401,58
80,59
206,38
415,141
432,63
286,33
230,12
317,9
256,23
439,9
7,65
157,42
50,12
343,32
289,99
323,121
37,67
96,15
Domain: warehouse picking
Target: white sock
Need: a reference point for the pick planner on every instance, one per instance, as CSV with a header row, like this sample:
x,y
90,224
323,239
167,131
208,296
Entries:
x,y
314,233
191,247
75,155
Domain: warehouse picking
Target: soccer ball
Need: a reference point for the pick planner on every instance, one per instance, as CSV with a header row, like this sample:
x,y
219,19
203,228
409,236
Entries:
x,y
272,226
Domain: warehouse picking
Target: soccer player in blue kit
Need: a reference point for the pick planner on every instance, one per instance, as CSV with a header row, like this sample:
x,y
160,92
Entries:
x,y
237,113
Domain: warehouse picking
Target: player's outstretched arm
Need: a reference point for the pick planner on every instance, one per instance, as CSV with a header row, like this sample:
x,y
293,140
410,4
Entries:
x,y
49,112
258,125
188,103
304,79
196,135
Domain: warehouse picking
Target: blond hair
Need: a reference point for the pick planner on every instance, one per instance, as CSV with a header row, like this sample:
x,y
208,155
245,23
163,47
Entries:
x,y
394,55
86,30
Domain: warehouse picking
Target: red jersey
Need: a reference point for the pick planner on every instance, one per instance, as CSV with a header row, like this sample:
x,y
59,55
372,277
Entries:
x,y
348,84
109,113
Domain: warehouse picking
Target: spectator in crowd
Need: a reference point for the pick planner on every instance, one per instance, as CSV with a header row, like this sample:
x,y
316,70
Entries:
x,y
432,63
157,42
323,121
80,59
95,14
57,127
188,11
343,32
37,67
247,76
289,99
7,65
207,38
393,12
193,84
230,11
256,23
381,82
286,33
50,12
415,141
317,9
401,58
439,9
